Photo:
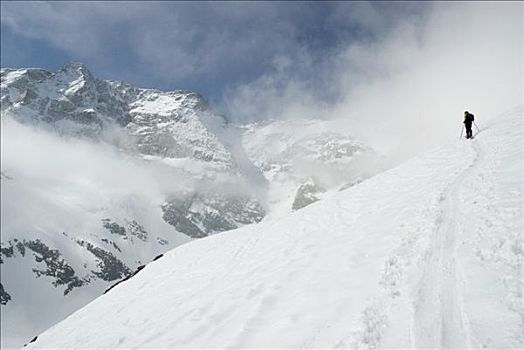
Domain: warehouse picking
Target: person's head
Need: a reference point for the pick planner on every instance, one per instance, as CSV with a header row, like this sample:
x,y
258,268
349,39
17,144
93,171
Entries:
x,y
466,112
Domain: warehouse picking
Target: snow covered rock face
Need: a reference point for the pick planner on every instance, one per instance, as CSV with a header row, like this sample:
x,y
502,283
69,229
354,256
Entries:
x,y
200,216
4,296
63,100
73,102
307,193
305,159
172,125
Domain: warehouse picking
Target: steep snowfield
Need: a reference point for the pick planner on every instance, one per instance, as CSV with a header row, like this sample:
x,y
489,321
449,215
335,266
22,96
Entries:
x,y
428,254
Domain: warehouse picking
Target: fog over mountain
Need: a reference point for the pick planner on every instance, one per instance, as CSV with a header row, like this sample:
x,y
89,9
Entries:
x,y
114,175
130,130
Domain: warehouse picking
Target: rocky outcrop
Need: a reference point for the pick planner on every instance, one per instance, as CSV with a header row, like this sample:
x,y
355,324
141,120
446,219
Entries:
x,y
201,215
4,296
307,194
110,267
51,263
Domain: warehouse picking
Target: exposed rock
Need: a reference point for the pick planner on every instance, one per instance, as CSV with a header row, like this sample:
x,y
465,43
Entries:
x,y
107,241
138,269
6,250
4,296
111,268
307,193
158,257
32,341
135,229
113,227
20,246
55,266
199,216
177,214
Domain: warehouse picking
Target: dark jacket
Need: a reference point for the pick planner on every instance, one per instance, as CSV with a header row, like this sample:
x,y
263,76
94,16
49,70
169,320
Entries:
x,y
468,118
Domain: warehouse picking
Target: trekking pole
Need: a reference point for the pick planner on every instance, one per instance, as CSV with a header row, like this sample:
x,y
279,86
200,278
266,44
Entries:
x,y
476,127
462,131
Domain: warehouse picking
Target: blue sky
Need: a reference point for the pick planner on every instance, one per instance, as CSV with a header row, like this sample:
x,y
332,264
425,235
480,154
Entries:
x,y
210,47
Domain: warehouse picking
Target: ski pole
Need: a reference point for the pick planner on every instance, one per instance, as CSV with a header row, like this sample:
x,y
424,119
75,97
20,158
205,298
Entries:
x,y
462,131
476,126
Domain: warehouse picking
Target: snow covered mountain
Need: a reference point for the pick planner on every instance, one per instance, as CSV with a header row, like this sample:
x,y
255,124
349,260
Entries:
x,y
100,177
156,125
428,254
313,157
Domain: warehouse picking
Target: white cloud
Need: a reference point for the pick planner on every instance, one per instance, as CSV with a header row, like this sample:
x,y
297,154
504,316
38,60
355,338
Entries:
x,y
189,43
408,90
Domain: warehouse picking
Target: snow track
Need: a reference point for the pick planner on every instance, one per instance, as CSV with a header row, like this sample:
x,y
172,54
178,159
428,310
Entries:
x,y
467,294
440,289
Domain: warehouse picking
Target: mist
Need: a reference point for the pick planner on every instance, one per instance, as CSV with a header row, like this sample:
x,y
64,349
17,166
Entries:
x,y
107,170
407,91
71,168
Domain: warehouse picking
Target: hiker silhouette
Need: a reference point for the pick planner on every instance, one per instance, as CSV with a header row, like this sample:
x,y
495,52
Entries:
x,y
468,121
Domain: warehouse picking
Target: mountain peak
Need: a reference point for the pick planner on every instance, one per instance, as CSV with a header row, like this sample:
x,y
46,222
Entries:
x,y
76,68
74,65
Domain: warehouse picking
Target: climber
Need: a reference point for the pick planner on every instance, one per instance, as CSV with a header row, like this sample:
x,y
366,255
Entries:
x,y
468,121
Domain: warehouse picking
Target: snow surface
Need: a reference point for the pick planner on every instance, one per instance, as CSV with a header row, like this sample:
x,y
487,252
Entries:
x,y
427,254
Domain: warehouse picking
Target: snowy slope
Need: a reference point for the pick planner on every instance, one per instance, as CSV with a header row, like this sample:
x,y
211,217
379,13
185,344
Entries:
x,y
428,254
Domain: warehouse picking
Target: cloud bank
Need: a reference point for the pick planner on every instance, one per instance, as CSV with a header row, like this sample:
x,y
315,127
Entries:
x,y
202,45
400,73
407,91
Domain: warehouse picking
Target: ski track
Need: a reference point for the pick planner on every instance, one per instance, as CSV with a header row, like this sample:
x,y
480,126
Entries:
x,y
439,320
438,298
437,309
